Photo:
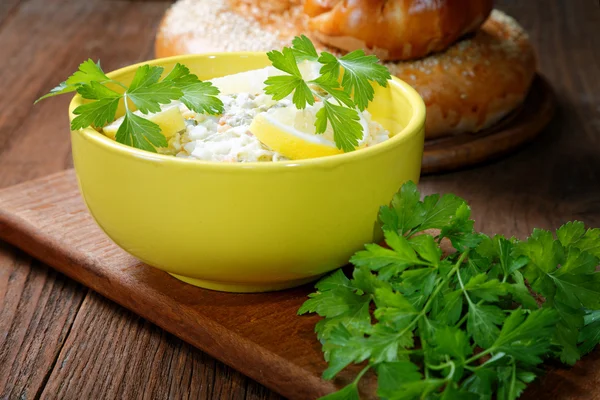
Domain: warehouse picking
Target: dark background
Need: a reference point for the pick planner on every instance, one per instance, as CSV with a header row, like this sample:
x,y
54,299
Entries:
x,y
60,340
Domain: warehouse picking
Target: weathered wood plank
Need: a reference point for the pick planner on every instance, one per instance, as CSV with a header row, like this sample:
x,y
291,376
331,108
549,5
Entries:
x,y
40,45
8,8
111,350
37,308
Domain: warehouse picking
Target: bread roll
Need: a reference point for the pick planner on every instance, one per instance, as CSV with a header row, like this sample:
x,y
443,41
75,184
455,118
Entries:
x,y
394,29
466,88
476,81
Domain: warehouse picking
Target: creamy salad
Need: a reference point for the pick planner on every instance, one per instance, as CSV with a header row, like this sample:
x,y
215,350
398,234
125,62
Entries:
x,y
227,137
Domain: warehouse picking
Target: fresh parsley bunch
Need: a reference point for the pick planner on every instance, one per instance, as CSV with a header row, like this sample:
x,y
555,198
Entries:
x,y
352,92
475,323
146,91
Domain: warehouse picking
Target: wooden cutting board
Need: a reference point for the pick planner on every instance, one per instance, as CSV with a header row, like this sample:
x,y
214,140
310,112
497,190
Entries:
x,y
258,334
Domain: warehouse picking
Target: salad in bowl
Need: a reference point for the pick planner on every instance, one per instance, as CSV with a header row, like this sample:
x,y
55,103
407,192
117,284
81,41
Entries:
x,y
243,172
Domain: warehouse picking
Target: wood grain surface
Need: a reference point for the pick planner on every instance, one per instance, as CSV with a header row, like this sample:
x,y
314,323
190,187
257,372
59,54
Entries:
x,y
257,334
554,179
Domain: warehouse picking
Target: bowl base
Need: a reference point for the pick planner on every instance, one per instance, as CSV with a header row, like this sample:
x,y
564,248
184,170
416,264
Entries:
x,y
244,287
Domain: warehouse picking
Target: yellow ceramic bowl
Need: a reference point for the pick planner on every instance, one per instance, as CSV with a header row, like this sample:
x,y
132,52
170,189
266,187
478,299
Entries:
x,y
247,227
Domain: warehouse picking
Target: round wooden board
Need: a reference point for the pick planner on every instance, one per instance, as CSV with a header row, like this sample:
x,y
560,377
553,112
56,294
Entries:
x,y
522,125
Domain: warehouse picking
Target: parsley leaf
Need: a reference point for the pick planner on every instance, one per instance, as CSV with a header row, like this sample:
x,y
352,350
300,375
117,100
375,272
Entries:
x,y
331,303
145,76
149,98
439,211
460,229
394,374
452,306
527,338
198,96
453,342
97,91
201,97
87,73
479,286
427,248
476,323
505,251
304,49
393,309
589,337
138,132
347,131
146,91
407,211
400,255
98,113
570,233
359,71
281,86
482,323
590,242
339,104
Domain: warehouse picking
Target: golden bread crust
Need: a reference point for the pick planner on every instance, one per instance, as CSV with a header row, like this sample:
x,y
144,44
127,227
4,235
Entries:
x,y
475,82
394,29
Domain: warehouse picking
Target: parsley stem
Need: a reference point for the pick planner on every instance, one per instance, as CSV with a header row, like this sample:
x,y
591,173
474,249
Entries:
x,y
462,286
440,366
448,363
513,380
125,103
479,355
361,373
427,305
462,320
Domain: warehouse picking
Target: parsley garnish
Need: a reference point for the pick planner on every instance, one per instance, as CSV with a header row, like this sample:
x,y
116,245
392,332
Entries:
x,y
341,102
146,91
460,325
344,88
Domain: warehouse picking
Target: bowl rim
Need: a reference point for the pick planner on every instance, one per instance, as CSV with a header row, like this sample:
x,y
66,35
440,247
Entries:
x,y
413,128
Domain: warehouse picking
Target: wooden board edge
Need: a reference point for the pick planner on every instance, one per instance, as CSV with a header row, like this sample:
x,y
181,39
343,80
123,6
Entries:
x,y
460,153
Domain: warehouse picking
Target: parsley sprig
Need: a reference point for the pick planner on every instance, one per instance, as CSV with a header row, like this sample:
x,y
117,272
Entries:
x,y
344,88
474,323
146,92
352,94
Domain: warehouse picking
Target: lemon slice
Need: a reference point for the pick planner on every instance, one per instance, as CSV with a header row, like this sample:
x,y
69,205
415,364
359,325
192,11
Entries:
x,y
253,81
291,132
169,120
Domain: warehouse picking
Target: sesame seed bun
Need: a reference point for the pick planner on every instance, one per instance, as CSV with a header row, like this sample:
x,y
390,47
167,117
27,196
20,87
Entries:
x,y
466,88
476,81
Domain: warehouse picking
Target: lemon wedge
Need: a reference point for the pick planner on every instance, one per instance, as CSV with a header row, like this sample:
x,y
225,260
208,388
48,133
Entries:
x,y
253,81
291,132
169,120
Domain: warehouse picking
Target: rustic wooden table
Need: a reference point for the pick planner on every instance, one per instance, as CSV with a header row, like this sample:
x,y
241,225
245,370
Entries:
x,y
56,334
